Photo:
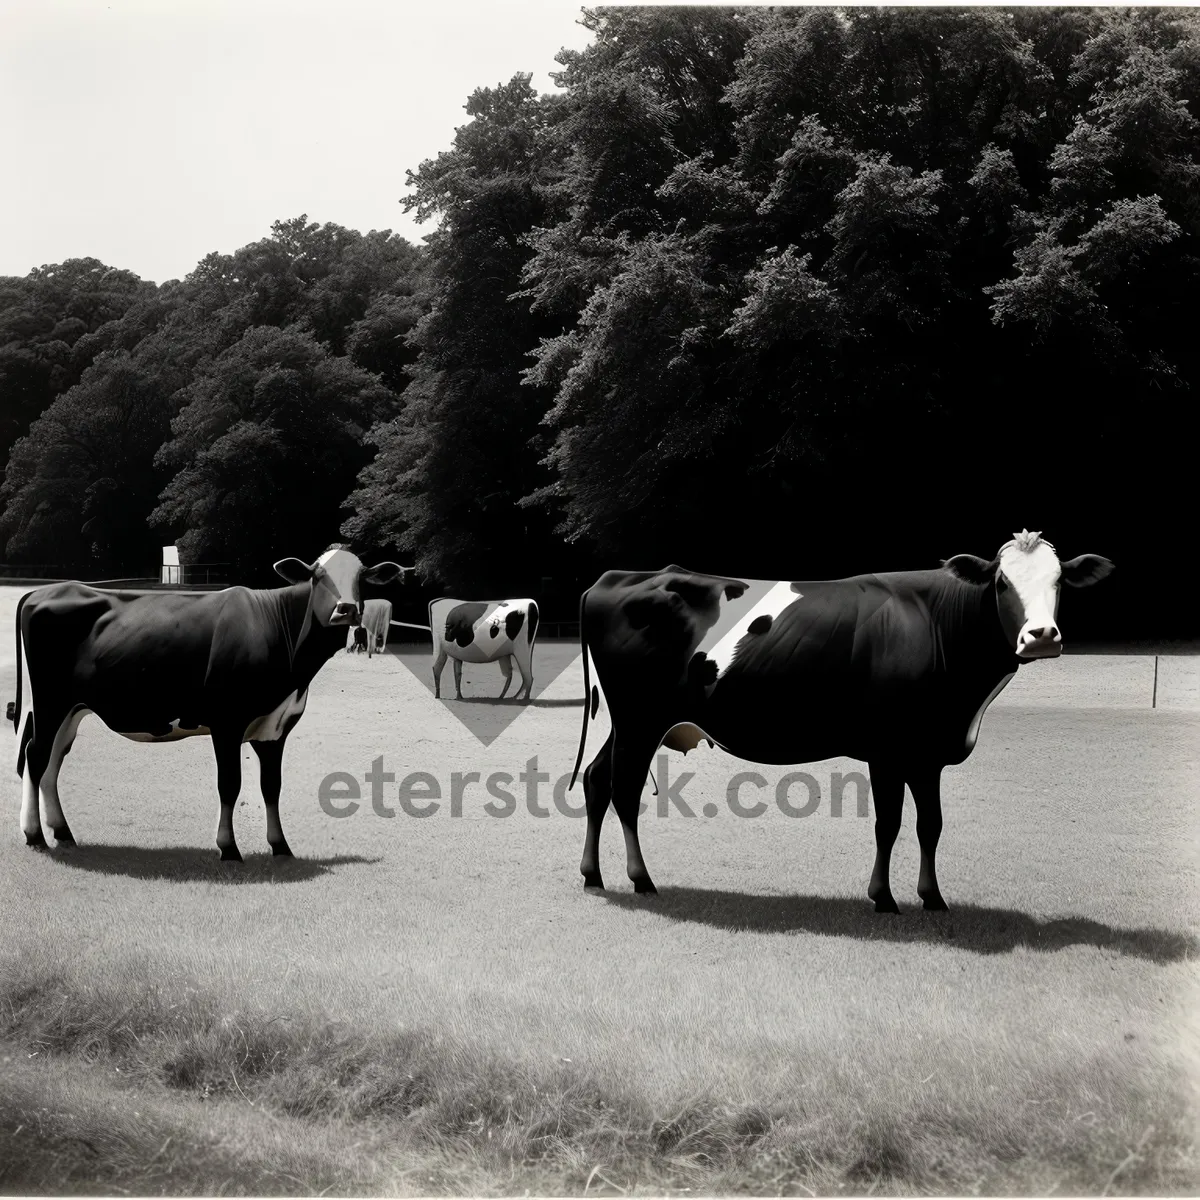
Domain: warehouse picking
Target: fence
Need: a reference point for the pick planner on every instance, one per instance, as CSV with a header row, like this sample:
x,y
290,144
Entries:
x,y
200,577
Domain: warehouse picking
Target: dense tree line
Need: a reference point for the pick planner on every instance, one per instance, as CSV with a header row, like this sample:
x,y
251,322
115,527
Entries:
x,y
788,292
228,411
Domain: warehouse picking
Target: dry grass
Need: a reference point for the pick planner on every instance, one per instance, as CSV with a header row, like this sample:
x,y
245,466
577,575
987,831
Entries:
x,y
434,1006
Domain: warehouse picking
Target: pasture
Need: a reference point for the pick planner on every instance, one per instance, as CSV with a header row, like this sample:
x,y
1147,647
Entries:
x,y
434,1005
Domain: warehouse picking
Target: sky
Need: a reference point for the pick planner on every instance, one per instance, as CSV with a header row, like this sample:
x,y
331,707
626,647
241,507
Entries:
x,y
148,133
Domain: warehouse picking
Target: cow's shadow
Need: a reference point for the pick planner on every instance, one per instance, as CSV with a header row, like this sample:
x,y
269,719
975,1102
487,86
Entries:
x,y
191,864
512,701
969,927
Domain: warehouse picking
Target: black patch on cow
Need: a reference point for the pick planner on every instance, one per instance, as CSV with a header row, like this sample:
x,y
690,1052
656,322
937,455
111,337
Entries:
x,y
595,700
11,712
460,622
702,671
513,623
495,630
760,624
533,622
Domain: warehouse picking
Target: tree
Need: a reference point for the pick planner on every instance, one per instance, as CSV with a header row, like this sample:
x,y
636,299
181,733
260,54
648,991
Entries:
x,y
449,471
266,445
45,318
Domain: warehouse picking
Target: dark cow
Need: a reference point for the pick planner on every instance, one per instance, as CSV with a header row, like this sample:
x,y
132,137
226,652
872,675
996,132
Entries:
x,y
894,669
233,665
482,631
357,641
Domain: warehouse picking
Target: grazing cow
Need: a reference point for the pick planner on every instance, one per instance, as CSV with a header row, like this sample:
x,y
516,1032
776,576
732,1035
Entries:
x,y
483,631
894,669
233,665
356,641
376,620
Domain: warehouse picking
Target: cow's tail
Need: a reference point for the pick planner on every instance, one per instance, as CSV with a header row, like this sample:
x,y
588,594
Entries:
x,y
589,707
14,708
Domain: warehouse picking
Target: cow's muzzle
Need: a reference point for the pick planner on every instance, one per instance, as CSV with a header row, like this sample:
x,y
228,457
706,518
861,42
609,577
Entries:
x,y
1043,642
345,614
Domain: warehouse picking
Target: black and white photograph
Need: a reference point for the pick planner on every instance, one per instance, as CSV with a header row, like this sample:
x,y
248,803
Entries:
x,y
594,600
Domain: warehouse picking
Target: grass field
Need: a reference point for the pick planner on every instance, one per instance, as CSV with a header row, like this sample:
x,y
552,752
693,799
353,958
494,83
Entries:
x,y
429,1006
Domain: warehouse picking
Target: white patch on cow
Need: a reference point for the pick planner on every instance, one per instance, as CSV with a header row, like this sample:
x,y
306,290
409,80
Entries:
x,y
685,737
271,727
771,604
1032,568
340,574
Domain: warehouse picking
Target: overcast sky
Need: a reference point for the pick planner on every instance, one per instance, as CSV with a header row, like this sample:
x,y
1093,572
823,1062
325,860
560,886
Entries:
x,y
148,133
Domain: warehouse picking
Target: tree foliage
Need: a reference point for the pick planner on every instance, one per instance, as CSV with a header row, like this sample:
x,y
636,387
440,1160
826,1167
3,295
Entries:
x,y
777,291
191,410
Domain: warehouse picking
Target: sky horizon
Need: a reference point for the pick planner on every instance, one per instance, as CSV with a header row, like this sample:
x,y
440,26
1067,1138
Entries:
x,y
148,137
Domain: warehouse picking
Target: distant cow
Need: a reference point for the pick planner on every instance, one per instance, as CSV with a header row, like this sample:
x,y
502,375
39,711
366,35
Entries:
x,y
357,640
895,669
481,631
233,665
376,620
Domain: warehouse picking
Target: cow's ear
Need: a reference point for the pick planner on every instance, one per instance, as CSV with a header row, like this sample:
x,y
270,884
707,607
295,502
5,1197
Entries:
x,y
1085,570
293,570
385,572
970,568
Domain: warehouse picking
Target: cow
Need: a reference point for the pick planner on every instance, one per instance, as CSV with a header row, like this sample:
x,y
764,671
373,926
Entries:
x,y
376,620
233,665
483,631
893,669
356,640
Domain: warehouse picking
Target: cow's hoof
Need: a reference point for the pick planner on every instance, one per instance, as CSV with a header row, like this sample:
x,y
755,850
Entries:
x,y
282,850
644,887
231,854
593,880
935,904
884,903
63,837
36,840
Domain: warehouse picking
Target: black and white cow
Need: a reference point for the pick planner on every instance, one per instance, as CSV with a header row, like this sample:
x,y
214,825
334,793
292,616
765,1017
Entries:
x,y
482,631
356,640
894,669
233,665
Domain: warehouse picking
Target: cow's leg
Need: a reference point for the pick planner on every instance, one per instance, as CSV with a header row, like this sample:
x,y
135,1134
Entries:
x,y
926,787
228,750
505,661
597,792
458,679
524,657
438,664
31,823
270,774
52,811
887,787
630,762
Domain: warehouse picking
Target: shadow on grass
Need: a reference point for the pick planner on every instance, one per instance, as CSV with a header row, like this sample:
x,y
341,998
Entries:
x,y
190,864
966,926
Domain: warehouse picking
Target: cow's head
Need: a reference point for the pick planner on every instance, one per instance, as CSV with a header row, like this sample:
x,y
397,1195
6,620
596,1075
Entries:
x,y
1028,575
335,579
